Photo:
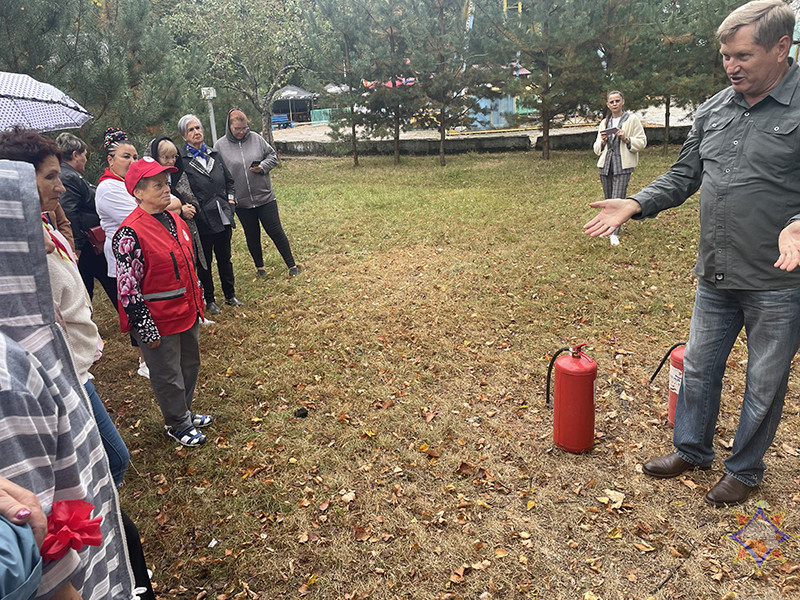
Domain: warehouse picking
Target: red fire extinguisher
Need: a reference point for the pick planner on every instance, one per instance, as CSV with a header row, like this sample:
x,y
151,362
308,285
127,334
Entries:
x,y
573,407
675,355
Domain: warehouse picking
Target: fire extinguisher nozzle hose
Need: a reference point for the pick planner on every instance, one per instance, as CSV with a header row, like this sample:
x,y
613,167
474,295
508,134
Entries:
x,y
663,360
550,371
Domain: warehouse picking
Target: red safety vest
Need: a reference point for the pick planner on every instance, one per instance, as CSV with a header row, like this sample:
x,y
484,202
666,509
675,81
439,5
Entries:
x,y
170,287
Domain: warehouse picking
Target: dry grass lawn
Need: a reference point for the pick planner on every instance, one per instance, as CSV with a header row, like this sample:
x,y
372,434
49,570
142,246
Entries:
x,y
418,337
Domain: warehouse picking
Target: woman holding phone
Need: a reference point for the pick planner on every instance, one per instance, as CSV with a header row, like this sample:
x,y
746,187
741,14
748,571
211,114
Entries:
x,y
620,138
250,159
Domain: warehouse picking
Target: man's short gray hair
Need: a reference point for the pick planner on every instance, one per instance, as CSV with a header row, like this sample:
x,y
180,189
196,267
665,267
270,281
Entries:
x,y
68,144
183,124
773,19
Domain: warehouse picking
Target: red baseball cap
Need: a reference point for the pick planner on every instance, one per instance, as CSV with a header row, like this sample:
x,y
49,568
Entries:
x,y
144,167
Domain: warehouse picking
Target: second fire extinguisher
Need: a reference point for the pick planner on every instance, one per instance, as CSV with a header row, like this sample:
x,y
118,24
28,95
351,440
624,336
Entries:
x,y
574,396
675,355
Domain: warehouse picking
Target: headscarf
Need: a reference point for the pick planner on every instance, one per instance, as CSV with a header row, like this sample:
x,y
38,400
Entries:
x,y
152,152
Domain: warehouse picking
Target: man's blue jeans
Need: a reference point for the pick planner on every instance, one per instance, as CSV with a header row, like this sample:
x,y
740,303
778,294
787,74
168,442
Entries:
x,y
772,322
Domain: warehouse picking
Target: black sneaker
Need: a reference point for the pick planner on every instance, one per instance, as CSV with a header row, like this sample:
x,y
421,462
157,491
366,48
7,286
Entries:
x,y
212,308
233,301
293,271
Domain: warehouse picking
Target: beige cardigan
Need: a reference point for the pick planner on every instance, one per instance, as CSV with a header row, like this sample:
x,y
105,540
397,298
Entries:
x,y
629,153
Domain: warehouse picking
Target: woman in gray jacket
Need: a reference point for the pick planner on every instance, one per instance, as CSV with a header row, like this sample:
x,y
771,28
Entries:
x,y
250,159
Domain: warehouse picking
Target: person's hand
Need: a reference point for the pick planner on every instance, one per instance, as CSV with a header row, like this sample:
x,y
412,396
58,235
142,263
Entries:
x,y
613,213
257,169
789,246
188,211
154,344
19,506
621,135
604,137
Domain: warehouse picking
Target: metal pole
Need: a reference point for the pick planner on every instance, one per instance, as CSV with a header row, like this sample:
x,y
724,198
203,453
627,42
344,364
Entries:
x,y
213,122
209,93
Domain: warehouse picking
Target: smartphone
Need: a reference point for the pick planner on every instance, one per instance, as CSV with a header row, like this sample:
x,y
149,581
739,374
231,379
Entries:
x,y
255,163
610,131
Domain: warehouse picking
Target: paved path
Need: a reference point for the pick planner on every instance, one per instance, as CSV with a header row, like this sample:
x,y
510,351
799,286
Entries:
x,y
653,115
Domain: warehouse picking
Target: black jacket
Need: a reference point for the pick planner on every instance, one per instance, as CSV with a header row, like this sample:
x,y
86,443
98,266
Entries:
x,y
212,189
78,204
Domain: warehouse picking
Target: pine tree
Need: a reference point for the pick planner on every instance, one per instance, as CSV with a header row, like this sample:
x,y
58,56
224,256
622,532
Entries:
x,y
556,40
393,98
338,33
678,58
113,58
446,74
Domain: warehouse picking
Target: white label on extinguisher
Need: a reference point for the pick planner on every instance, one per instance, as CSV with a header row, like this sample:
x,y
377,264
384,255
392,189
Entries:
x,y
675,379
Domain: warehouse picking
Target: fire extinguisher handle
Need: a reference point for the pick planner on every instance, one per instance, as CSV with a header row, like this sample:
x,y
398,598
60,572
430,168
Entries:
x,y
663,360
550,371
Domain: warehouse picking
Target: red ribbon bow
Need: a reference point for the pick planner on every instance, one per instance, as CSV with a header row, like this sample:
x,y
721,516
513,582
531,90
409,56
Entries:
x,y
69,526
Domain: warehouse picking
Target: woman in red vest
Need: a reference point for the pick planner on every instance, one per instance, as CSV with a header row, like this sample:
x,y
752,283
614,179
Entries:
x,y
160,300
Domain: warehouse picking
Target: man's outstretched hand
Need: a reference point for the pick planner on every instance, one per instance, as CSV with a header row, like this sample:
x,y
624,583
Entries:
x,y
613,213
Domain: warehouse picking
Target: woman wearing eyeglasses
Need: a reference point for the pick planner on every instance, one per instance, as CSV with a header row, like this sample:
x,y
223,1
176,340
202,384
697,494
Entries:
x,y
250,159
620,138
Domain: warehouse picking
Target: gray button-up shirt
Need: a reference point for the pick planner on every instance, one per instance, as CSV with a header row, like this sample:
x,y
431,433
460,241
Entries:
x,y
748,162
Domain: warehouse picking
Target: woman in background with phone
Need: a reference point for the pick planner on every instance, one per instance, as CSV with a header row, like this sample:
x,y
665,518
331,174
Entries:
x,y
620,138
250,159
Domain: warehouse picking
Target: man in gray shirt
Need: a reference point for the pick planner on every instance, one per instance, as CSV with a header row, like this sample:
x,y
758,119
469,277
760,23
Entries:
x,y
744,148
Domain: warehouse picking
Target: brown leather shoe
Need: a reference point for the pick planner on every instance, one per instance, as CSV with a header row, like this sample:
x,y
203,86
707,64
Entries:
x,y
728,491
669,465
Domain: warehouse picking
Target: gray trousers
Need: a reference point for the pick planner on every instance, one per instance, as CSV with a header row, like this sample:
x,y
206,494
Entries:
x,y
615,183
174,367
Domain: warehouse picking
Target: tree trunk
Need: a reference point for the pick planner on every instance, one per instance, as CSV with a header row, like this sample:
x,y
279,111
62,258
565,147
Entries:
x,y
665,148
348,71
266,126
547,115
546,134
353,133
397,136
266,131
442,131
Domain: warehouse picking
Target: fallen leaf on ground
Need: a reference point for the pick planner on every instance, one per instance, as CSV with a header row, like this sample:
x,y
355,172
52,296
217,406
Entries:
x,y
616,498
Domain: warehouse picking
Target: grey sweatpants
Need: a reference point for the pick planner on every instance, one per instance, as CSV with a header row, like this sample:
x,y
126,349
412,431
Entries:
x,y
174,366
